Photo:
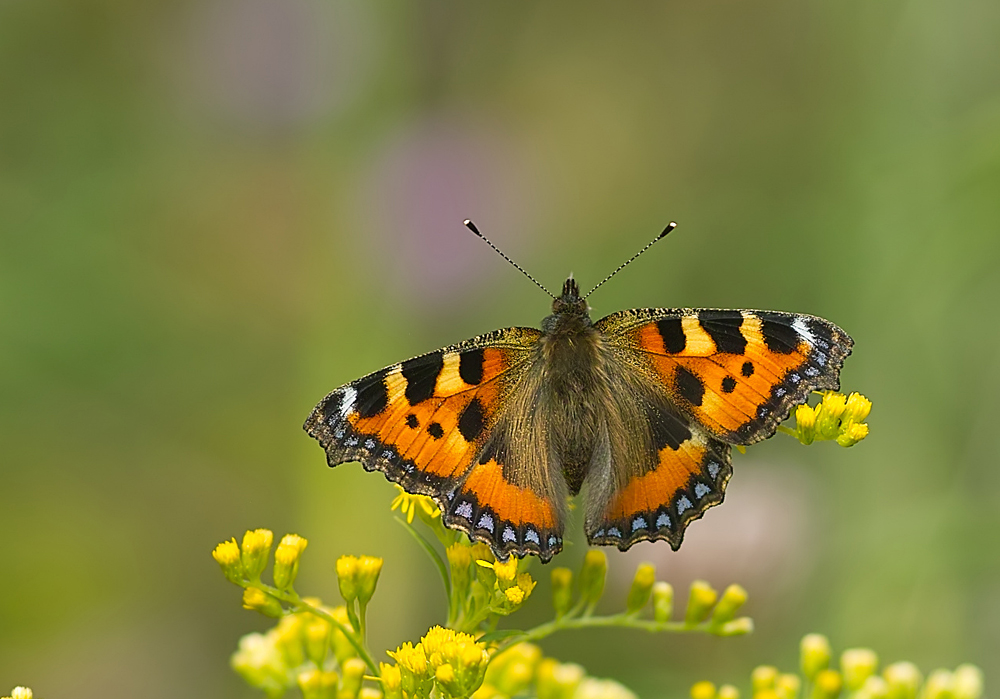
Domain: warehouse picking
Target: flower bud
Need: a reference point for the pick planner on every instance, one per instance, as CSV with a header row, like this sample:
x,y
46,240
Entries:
x,y
459,561
737,627
903,680
732,599
814,655
562,590
829,414
369,569
506,571
873,688
642,588
703,690
663,601
763,677
787,686
592,575
805,423
227,555
286,560
827,684
701,599
391,681
350,685
852,434
21,693
728,691
316,684
256,599
514,595
857,665
254,551
347,577
558,680
968,682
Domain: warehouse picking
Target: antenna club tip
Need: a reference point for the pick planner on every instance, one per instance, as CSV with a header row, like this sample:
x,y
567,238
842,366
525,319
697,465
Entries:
x,y
670,226
467,222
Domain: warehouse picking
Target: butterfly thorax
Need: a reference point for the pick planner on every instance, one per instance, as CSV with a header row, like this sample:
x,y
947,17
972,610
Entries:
x,y
575,385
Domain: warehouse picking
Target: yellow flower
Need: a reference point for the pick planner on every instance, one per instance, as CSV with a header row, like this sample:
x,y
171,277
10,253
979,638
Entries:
x,y
227,555
256,599
410,658
837,417
732,599
409,505
514,595
814,653
663,601
703,690
642,588
728,691
347,577
701,598
286,560
21,693
255,549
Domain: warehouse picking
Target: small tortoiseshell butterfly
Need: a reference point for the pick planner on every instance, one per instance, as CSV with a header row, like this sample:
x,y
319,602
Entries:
x,y
642,406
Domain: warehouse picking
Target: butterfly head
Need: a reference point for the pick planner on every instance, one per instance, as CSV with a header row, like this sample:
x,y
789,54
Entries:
x,y
569,311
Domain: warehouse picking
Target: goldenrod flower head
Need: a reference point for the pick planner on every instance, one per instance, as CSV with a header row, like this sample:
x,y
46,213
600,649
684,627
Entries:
x,y
464,658
805,423
555,680
592,576
642,588
593,688
728,691
525,583
445,673
505,571
256,599
857,665
858,408
392,681
701,598
227,555
703,690
873,688
787,686
354,673
410,505
763,677
829,413
732,600
514,595
903,679
286,560
814,655
259,661
512,671
410,658
21,693
968,682
827,684
562,590
254,551
663,601
347,577
852,434
369,569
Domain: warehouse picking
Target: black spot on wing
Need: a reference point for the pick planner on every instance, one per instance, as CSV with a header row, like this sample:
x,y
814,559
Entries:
x,y
373,397
435,430
668,428
724,329
689,386
412,422
747,369
672,333
470,366
728,384
472,420
421,375
779,335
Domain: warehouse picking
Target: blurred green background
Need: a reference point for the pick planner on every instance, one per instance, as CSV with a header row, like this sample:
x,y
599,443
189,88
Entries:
x,y
212,213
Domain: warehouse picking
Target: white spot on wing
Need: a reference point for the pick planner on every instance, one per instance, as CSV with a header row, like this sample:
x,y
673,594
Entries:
x,y
615,532
683,504
638,523
701,490
532,536
464,510
662,521
347,400
485,522
713,469
508,534
802,328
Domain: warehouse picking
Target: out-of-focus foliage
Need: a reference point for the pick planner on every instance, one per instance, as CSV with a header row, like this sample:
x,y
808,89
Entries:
x,y
212,213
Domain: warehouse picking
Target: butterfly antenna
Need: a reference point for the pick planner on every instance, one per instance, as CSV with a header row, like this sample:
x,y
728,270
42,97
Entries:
x,y
670,226
472,227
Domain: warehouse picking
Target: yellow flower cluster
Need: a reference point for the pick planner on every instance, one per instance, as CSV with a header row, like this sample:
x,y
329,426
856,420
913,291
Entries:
x,y
483,586
522,671
243,563
836,417
857,677
444,661
303,650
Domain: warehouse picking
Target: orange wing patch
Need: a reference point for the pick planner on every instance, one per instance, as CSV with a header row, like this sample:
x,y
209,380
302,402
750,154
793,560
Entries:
x,y
737,373
508,517
659,504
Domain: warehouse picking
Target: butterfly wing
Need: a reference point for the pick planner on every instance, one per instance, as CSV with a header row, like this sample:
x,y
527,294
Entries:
x,y
713,378
443,424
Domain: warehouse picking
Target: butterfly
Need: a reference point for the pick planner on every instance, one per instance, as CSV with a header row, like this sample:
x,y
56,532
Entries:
x,y
641,406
